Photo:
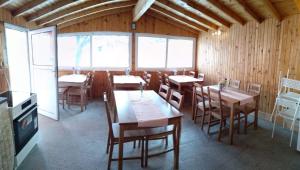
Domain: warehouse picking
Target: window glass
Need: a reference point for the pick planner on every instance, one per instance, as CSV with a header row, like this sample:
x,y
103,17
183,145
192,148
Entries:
x,y
151,52
110,51
180,53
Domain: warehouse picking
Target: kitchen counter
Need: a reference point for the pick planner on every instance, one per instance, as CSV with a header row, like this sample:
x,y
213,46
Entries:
x,y
6,138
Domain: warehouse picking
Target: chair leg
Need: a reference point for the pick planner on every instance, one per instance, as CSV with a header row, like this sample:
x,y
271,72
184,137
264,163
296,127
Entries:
x,y
142,154
195,114
111,149
146,152
220,130
274,126
203,119
239,123
108,144
209,121
134,144
246,123
167,142
139,144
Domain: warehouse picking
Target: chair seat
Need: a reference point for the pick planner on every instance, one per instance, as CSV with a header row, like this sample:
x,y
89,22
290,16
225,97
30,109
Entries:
x,y
216,112
200,104
74,91
247,108
62,90
164,95
288,114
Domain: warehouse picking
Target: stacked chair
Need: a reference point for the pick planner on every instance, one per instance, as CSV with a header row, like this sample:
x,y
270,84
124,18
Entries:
x,y
287,104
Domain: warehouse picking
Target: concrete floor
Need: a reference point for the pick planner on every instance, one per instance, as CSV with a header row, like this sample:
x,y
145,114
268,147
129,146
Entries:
x,y
78,141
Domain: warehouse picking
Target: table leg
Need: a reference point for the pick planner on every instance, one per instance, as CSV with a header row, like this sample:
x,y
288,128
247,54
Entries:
x,y
256,113
121,141
298,142
231,128
178,133
81,99
193,104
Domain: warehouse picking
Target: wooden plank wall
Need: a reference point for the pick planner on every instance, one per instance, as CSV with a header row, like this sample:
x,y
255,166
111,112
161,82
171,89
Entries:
x,y
253,53
5,16
122,23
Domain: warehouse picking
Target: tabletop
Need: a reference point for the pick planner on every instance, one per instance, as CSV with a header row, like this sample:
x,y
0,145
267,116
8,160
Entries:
x,y
72,78
126,113
184,79
127,79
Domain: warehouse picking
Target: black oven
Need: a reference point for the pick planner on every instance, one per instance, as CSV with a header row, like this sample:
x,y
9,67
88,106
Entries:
x,y
25,126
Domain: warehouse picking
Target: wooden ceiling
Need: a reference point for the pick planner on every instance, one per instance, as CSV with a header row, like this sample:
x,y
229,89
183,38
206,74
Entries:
x,y
200,15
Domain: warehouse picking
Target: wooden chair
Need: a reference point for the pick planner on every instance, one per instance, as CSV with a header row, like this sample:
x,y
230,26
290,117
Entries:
x,y
176,99
160,77
148,80
62,95
218,111
234,84
164,91
90,85
251,107
201,76
76,93
167,81
192,73
201,103
129,136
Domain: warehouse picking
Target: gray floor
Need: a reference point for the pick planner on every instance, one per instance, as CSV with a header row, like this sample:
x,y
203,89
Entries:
x,y
78,141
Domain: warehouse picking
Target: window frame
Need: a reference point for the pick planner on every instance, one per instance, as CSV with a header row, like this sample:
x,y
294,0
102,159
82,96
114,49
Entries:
x,y
91,34
137,35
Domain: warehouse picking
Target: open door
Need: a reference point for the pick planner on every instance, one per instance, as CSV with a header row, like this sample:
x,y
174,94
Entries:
x,y
43,61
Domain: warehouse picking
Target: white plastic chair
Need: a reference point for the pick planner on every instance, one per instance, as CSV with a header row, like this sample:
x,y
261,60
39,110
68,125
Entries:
x,y
284,91
288,110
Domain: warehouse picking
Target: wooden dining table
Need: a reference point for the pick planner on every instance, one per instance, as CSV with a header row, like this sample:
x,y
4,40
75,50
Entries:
x,y
184,80
127,81
74,80
128,121
233,103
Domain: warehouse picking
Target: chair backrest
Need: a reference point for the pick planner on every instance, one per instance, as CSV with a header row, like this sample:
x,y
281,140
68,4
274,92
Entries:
x,y
107,107
148,79
192,73
254,88
198,93
176,99
214,99
290,106
167,82
165,90
234,84
290,83
160,77
201,76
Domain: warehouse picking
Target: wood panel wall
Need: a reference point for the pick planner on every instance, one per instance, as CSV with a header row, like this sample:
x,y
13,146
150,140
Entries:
x,y
253,53
122,23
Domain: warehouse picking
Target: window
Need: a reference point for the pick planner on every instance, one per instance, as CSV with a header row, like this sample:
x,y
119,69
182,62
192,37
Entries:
x,y
94,50
74,51
180,53
164,52
151,52
110,51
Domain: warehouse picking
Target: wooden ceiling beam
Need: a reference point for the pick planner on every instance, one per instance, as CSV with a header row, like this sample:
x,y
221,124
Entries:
x,y
297,2
227,11
94,11
27,7
273,10
187,13
247,9
175,23
171,15
96,15
75,9
204,11
58,6
4,2
140,8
